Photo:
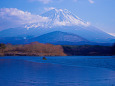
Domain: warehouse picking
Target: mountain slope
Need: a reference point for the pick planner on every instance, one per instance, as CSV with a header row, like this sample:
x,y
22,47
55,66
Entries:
x,y
58,37
60,20
61,17
68,22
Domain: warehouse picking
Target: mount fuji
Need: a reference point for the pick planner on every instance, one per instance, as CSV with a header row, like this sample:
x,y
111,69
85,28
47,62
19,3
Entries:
x,y
60,20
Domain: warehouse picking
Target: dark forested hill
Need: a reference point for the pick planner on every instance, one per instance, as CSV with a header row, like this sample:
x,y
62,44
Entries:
x,y
40,49
88,50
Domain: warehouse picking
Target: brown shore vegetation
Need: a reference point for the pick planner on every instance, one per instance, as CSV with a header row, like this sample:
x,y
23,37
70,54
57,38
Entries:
x,y
40,49
32,49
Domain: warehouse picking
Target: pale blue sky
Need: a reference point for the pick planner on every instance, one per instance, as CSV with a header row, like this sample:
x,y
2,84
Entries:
x,y
100,13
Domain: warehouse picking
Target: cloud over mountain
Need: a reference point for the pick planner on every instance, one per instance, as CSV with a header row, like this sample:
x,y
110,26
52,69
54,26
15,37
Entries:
x,y
49,1
43,1
13,17
113,34
91,1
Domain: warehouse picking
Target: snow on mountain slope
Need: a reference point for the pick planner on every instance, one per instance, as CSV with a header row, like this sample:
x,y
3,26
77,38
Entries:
x,y
63,18
59,17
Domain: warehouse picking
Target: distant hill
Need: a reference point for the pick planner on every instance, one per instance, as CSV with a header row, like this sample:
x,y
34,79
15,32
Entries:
x,y
12,40
60,38
56,38
87,50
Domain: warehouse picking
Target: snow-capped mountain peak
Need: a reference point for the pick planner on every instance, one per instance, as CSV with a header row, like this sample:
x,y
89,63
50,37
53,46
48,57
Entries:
x,y
59,17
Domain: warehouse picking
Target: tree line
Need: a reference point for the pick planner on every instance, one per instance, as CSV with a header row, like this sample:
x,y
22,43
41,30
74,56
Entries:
x,y
32,49
89,50
40,49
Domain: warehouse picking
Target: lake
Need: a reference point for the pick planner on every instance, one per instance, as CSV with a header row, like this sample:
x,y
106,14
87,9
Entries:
x,y
57,71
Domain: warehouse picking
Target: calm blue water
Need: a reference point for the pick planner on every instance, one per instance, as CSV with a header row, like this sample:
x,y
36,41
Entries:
x,y
57,71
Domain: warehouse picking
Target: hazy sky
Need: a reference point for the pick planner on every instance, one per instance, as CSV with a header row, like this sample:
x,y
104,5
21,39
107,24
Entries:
x,y
100,13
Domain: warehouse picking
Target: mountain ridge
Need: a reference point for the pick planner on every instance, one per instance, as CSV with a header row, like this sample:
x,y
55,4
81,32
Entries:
x,y
58,36
64,21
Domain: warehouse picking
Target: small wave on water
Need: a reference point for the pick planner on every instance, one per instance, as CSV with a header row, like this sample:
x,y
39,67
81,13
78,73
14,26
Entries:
x,y
57,71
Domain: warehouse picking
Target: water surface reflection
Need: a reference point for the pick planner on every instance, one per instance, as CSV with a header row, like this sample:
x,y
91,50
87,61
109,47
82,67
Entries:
x,y
14,72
